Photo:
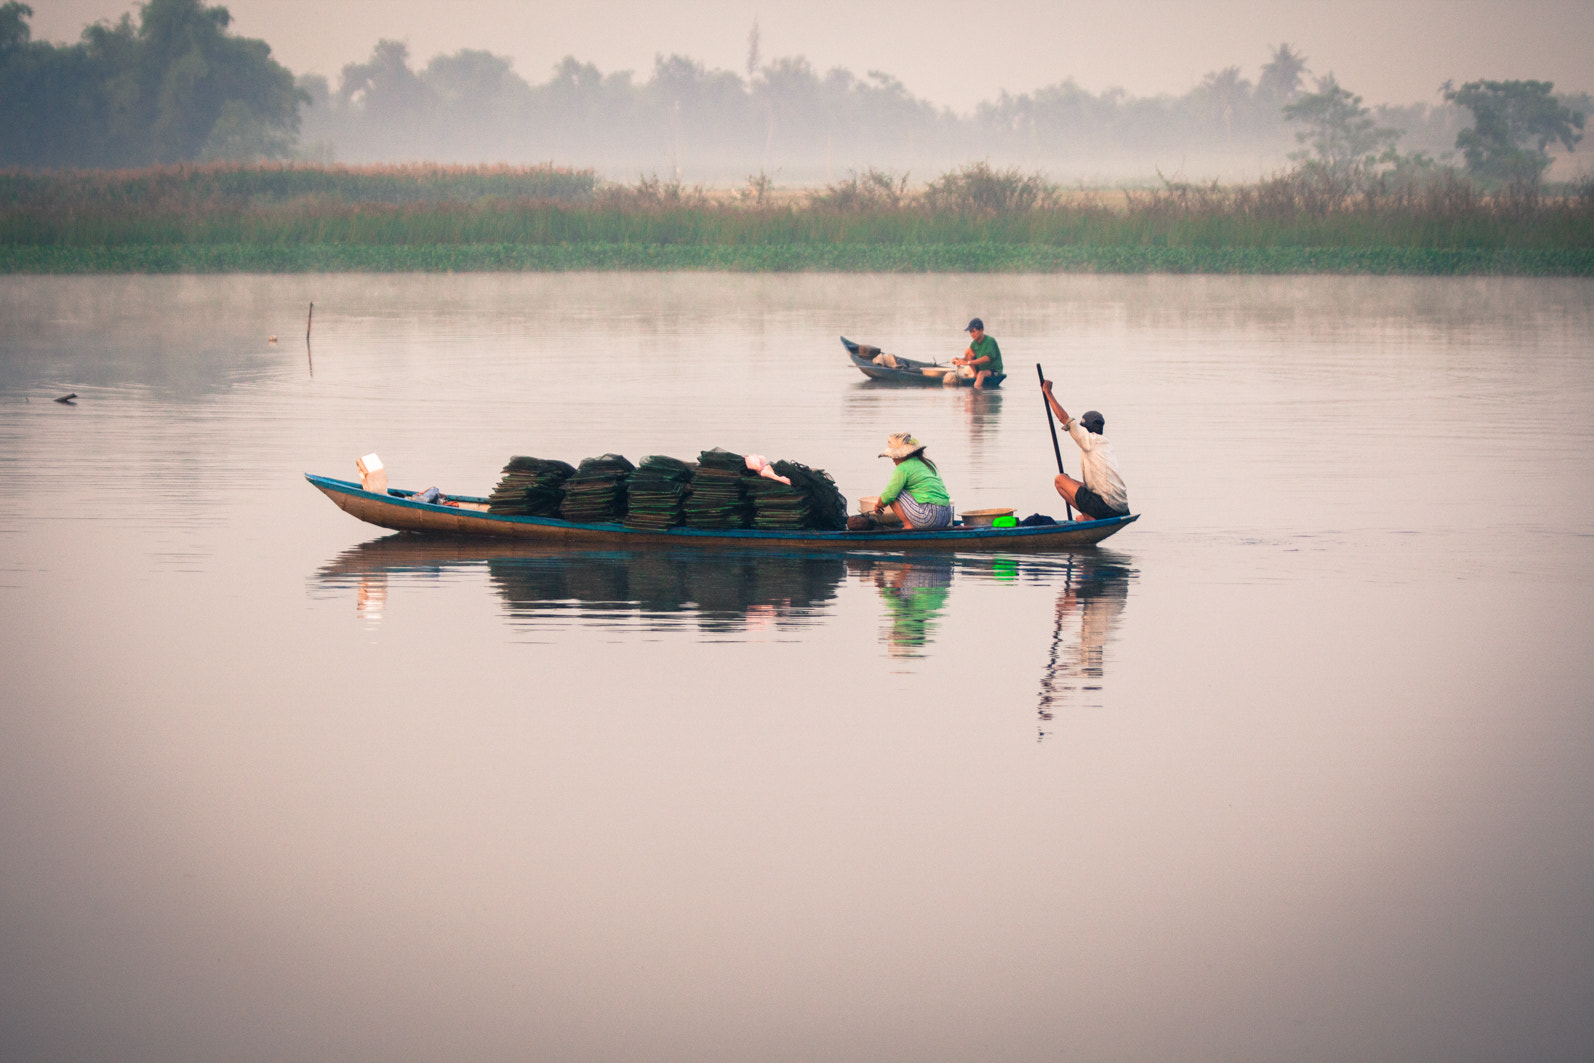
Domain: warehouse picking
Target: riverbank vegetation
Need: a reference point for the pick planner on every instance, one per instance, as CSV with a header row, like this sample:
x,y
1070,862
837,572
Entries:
x,y
1415,218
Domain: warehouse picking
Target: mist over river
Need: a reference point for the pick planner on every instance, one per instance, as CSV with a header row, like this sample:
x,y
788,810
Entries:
x,y
1299,766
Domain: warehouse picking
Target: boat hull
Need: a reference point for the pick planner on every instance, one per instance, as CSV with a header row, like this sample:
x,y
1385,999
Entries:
x,y
909,372
907,377
396,511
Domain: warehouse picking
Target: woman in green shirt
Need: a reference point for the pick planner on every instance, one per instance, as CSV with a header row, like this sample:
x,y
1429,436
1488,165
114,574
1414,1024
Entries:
x,y
915,492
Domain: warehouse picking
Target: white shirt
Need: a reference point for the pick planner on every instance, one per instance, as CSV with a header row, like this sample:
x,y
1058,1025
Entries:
x,y
1100,467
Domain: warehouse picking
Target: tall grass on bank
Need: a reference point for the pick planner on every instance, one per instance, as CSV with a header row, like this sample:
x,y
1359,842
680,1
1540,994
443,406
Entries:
x,y
221,186
768,258
248,219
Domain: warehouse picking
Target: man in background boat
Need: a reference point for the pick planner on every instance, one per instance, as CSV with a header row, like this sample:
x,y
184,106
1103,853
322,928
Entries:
x,y
1102,495
983,355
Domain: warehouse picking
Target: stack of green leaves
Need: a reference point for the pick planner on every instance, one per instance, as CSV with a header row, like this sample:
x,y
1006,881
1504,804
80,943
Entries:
x,y
656,493
826,506
530,487
777,507
718,498
596,493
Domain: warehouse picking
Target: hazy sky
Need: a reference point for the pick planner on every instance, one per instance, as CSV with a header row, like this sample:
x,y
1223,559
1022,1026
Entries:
x,y
953,52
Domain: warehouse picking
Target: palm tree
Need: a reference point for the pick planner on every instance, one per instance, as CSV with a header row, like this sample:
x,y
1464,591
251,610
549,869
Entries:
x,y
1281,77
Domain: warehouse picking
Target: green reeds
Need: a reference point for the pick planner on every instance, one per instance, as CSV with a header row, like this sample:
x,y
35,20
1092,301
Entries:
x,y
539,223
837,258
261,219
213,186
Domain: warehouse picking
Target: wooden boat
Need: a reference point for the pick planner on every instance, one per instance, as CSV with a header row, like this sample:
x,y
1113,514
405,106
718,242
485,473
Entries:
x,y
908,371
398,511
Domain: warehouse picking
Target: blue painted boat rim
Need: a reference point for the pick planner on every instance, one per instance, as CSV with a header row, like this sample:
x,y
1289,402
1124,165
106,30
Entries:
x,y
401,498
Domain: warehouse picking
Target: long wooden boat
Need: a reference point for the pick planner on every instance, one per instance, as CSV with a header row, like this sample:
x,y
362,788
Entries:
x,y
908,371
397,510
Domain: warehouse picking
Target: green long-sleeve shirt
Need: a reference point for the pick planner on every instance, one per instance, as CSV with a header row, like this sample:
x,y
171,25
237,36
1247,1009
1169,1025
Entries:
x,y
921,482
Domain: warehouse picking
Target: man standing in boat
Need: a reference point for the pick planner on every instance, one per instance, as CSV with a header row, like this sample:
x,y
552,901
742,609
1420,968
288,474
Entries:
x,y
983,355
1102,495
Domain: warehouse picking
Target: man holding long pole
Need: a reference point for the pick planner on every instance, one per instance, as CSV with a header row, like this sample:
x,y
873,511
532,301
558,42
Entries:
x,y
1102,494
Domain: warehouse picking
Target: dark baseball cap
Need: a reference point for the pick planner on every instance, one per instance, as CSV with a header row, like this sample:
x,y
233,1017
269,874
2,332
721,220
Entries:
x,y
975,323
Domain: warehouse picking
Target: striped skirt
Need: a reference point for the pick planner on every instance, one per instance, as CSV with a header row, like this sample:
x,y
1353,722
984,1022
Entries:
x,y
924,515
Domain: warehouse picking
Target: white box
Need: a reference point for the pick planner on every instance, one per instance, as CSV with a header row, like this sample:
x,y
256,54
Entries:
x,y
373,476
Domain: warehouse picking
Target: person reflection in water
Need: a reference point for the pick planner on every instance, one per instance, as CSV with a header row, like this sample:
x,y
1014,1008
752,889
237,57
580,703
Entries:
x,y
1088,607
914,594
1102,494
982,410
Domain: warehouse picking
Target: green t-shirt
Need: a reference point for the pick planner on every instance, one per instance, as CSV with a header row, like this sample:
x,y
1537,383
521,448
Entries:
x,y
985,347
922,485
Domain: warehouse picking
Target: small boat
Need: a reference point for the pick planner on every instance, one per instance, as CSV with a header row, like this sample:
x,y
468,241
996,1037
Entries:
x,y
397,510
906,370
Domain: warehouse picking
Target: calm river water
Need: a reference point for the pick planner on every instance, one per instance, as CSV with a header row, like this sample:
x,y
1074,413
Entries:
x,y
1300,766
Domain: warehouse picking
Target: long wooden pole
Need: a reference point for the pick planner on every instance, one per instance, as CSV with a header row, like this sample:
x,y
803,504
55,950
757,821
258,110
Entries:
x,y
1052,425
308,321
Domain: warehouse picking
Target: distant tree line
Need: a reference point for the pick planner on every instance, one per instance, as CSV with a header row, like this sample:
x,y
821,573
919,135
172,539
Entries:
x,y
784,117
684,119
177,86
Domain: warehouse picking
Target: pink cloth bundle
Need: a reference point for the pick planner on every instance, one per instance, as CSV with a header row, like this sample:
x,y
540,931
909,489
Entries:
x,y
760,464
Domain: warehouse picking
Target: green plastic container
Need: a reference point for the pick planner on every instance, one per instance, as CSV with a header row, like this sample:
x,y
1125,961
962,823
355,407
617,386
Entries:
x,y
1005,522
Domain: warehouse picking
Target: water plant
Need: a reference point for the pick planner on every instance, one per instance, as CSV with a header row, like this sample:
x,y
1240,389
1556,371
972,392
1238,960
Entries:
x,y
272,218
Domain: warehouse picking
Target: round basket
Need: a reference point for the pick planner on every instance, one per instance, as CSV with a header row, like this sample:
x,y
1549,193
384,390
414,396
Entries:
x,y
982,518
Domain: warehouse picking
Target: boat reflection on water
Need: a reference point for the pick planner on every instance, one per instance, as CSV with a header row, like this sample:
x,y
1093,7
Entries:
x,y
869,401
718,591
722,592
542,586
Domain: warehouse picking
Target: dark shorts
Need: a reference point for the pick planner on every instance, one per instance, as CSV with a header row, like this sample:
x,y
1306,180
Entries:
x,y
1090,504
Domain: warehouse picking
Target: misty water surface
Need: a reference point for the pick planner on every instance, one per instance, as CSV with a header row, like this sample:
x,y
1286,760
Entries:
x,y
1299,766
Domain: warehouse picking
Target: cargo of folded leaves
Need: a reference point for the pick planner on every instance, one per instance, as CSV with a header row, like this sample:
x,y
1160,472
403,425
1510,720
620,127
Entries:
x,y
530,487
718,500
811,501
596,493
656,493
718,492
